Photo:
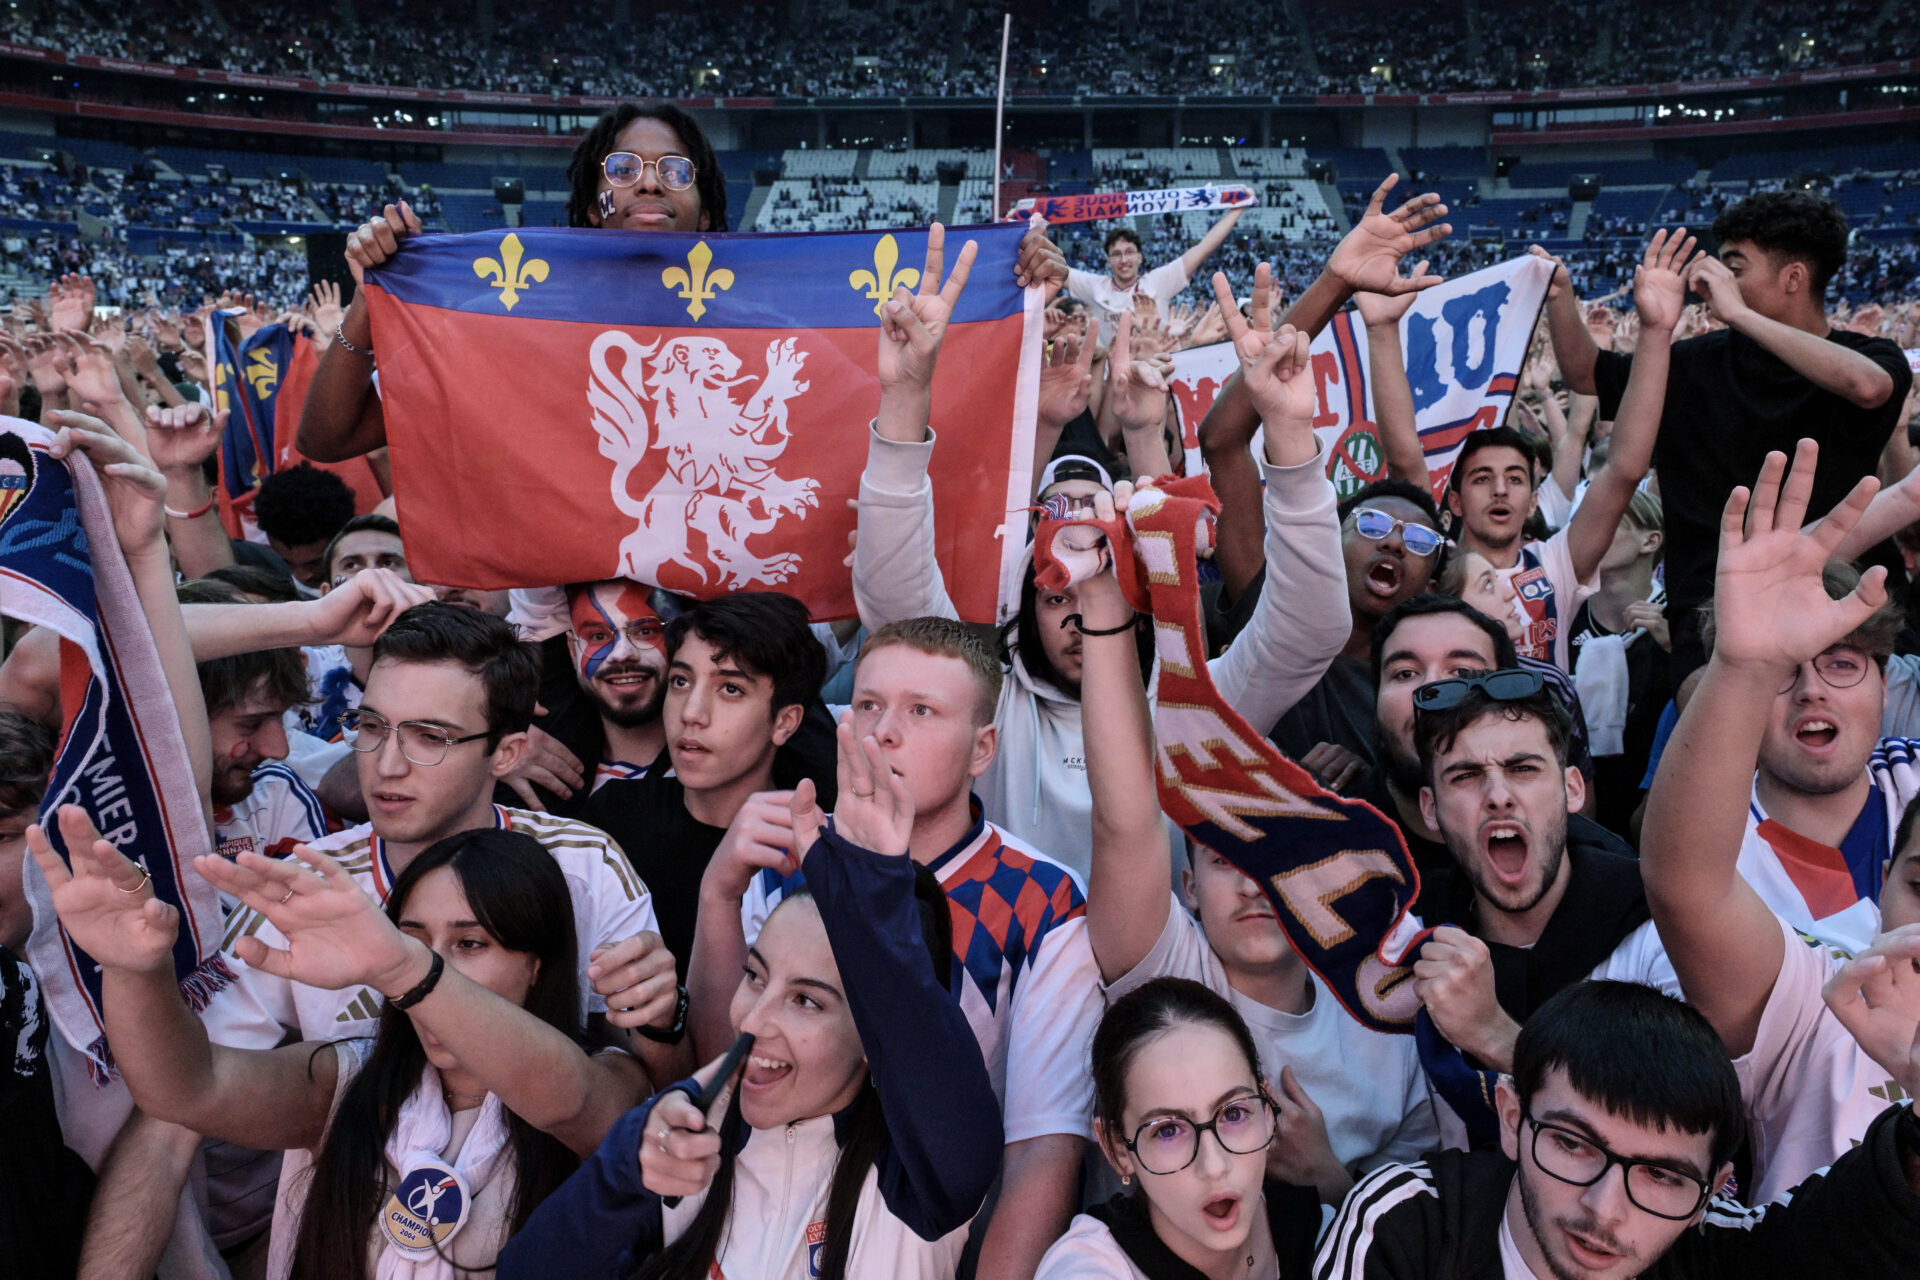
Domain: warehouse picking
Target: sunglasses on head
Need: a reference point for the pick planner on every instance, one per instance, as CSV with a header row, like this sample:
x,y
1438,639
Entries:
x,y
624,169
1373,523
1501,686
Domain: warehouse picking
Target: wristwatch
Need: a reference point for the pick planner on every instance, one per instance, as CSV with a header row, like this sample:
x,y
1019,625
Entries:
x,y
675,1033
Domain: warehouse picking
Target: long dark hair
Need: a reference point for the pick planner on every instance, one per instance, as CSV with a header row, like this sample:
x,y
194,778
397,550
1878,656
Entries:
x,y
583,169
863,1133
1148,1011
1020,635
520,898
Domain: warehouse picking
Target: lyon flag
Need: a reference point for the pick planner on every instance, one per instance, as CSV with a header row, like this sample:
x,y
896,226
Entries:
x,y
689,411
1464,342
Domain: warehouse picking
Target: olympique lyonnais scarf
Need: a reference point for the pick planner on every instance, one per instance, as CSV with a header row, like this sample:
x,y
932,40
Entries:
x,y
121,755
1337,873
1094,205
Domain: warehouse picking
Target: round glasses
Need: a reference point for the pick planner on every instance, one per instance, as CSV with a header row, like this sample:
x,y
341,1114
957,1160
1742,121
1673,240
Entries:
x,y
1658,1189
1168,1144
420,742
623,169
1840,666
1377,524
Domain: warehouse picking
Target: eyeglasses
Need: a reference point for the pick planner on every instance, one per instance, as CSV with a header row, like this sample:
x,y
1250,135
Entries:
x,y
1658,1189
420,742
1168,1144
1376,524
624,169
1841,667
1501,686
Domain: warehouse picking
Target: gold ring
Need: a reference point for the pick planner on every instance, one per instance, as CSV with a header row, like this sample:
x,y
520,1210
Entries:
x,y
145,875
864,795
289,895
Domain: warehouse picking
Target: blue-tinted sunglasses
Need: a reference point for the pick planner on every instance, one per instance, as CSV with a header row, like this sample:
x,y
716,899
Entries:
x,y
1376,524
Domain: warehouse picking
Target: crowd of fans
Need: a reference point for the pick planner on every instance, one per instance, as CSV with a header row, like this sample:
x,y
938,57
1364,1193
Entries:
x,y
902,48
595,930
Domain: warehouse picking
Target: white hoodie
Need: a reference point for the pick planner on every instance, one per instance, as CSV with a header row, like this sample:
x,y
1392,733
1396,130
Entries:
x,y
1036,787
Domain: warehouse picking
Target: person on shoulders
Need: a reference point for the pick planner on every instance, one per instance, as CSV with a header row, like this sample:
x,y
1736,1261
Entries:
x,y
1113,294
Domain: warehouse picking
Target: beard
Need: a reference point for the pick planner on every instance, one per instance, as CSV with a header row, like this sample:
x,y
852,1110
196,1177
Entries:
x,y
1550,841
626,715
231,785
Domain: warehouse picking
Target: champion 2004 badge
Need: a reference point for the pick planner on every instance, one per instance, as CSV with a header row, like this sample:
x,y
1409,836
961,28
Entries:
x,y
427,1209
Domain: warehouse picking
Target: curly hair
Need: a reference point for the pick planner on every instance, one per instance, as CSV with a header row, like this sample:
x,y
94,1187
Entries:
x,y
1796,225
302,505
583,169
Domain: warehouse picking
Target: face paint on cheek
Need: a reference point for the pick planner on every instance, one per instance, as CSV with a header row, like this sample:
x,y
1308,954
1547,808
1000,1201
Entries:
x,y
586,615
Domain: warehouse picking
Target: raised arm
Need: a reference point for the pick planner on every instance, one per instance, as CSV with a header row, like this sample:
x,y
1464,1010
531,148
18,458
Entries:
x,y
342,417
1771,614
338,938
180,441
273,1100
1392,393
353,613
136,495
943,1148
1137,398
895,572
1815,357
1193,259
1127,896
1659,290
757,839
1574,349
1302,619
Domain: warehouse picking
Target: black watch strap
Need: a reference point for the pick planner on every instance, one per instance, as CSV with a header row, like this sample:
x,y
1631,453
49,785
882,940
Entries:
x,y
425,989
675,1033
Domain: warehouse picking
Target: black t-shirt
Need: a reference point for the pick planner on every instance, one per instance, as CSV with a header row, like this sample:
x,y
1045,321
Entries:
x,y
669,848
1729,402
1339,709
44,1187
1619,776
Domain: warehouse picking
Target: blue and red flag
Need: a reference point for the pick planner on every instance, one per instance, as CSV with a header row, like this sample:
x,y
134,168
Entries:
x,y
246,383
689,411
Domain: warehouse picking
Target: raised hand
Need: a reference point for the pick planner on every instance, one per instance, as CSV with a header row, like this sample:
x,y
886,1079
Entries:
x,y
759,837
136,493
874,809
1713,280
1660,281
680,1147
337,937
1066,376
70,300
104,901
1367,259
1560,282
1876,997
92,382
913,325
1453,977
1137,389
183,437
1040,260
1771,612
359,609
378,238
43,363
1378,310
1274,366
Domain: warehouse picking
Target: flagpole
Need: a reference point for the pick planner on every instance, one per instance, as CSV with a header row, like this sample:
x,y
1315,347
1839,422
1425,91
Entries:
x,y
1000,111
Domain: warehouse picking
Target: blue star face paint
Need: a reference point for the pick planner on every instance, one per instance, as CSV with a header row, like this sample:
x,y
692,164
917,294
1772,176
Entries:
x,y
619,648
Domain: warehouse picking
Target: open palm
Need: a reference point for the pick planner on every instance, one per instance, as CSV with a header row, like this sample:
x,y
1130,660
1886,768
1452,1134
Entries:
x,y
1367,259
1660,282
120,928
336,936
1770,609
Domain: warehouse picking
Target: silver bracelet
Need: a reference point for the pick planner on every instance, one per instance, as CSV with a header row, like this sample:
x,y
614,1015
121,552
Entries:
x,y
340,336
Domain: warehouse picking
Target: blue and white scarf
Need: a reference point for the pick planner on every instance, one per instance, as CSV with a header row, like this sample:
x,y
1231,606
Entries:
x,y
121,756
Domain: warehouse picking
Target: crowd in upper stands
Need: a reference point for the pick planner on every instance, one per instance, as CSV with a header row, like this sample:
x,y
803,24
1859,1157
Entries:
x,y
894,49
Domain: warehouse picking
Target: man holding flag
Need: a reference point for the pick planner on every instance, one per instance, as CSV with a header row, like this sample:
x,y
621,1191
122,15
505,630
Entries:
x,y
1114,292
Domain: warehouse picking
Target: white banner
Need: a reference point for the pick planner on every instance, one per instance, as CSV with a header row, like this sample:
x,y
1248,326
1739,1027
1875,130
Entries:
x,y
1464,342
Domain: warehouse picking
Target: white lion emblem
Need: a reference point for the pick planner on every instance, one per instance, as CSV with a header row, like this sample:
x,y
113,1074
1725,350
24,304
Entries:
x,y
720,453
